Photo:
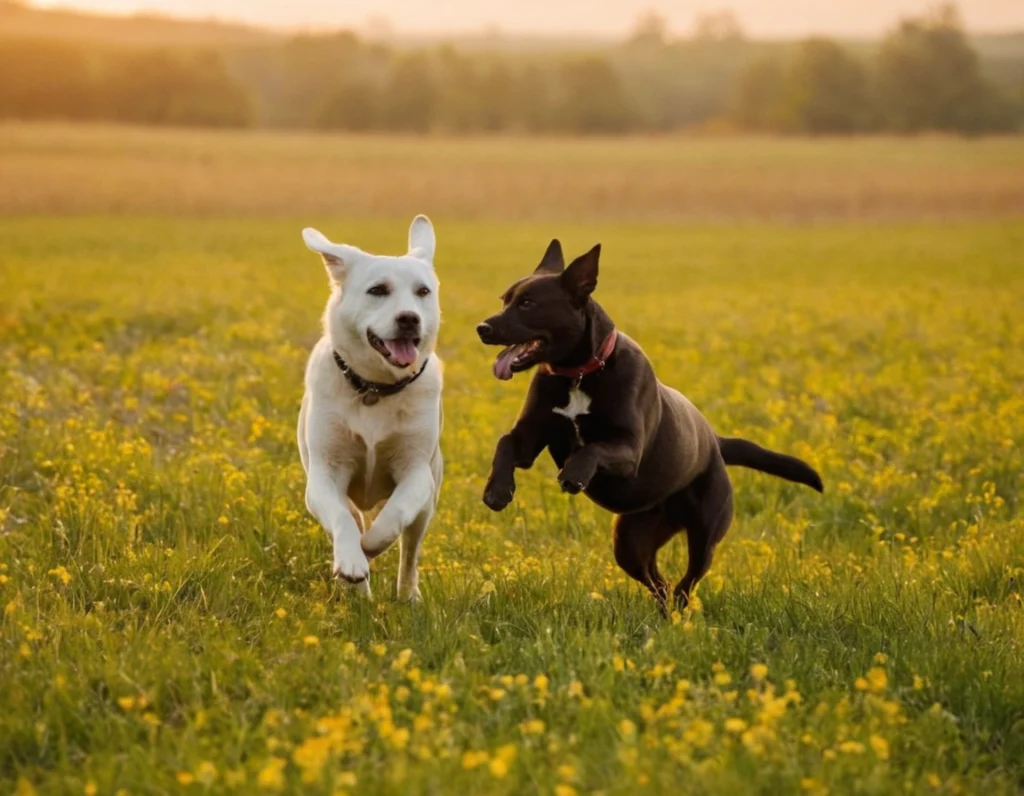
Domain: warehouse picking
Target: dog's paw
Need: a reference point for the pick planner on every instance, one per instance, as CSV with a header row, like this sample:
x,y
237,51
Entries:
x,y
380,537
572,487
360,589
574,477
350,563
409,593
498,495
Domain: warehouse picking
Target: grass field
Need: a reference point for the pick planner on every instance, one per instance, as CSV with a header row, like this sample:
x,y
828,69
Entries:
x,y
53,169
167,618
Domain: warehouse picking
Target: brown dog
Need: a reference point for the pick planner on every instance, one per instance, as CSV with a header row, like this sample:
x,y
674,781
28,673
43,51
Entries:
x,y
631,444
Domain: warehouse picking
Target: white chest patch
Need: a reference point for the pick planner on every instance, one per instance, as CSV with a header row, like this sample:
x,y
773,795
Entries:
x,y
579,404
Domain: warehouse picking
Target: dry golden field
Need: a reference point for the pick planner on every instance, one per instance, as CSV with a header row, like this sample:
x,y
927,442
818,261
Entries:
x,y
54,169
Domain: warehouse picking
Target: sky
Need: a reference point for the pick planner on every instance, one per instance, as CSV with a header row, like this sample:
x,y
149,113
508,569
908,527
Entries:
x,y
771,18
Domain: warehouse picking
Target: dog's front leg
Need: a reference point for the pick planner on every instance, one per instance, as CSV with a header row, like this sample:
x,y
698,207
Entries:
x,y
412,497
325,488
519,448
616,457
501,484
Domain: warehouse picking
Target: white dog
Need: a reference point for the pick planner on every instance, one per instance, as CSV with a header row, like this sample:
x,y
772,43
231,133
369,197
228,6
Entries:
x,y
370,423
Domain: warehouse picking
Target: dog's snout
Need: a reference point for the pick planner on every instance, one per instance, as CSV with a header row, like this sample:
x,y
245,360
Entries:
x,y
484,330
407,322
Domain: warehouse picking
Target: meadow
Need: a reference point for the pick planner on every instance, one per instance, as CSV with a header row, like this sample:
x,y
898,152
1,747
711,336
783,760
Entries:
x,y
168,622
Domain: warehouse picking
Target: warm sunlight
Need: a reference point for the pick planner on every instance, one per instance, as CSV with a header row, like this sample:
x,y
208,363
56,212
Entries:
x,y
343,440
562,17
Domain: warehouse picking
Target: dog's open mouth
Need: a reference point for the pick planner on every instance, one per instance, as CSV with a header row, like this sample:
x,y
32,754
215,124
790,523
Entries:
x,y
516,358
400,352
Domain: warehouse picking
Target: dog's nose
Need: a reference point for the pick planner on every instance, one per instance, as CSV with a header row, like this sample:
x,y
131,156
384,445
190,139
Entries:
x,y
407,322
484,330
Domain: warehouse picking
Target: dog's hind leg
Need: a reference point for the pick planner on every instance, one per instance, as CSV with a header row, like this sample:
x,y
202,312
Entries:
x,y
408,564
705,508
638,538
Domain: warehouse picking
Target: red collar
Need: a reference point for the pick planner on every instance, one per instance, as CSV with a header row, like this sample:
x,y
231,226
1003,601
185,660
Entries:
x,y
595,364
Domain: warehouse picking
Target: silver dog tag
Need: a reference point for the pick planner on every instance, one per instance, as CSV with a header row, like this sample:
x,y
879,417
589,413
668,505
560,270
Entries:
x,y
370,399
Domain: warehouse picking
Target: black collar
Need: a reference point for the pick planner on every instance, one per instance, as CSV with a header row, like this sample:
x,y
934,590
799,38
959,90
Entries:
x,y
373,391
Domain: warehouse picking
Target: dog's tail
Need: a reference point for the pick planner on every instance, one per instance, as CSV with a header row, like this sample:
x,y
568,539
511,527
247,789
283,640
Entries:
x,y
743,453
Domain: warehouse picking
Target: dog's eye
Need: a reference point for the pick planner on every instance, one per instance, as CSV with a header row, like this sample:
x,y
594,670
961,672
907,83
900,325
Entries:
x,y
379,290
524,303
423,292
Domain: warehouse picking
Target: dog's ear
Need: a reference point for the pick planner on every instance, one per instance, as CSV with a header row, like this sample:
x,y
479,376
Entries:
x,y
580,278
422,241
553,262
338,257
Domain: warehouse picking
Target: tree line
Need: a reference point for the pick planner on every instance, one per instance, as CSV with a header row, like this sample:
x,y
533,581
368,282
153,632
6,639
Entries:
x,y
924,75
55,80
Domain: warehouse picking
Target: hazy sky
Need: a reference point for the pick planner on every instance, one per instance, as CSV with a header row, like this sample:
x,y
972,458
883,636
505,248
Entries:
x,y
559,17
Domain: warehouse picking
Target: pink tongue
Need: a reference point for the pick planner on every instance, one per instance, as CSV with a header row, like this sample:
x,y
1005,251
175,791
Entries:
x,y
403,352
503,364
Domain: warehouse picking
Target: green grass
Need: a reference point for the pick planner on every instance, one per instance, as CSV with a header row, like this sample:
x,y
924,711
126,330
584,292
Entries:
x,y
167,618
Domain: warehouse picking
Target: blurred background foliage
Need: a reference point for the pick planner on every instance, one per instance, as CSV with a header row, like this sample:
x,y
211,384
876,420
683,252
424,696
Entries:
x,y
926,74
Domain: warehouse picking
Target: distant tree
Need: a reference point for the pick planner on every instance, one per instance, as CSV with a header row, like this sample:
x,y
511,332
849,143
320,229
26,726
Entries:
x,y
458,91
1018,102
497,86
533,100
164,87
353,105
592,99
304,74
929,78
651,28
826,89
717,26
410,96
43,79
761,95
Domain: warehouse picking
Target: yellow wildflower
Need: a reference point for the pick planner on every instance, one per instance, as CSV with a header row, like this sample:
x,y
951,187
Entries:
x,y
126,703
24,788
271,776
472,759
878,680
206,772
880,747
735,725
